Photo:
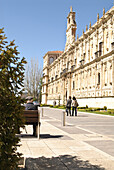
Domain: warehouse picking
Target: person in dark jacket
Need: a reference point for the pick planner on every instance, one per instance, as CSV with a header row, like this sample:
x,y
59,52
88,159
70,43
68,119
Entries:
x,y
68,106
30,106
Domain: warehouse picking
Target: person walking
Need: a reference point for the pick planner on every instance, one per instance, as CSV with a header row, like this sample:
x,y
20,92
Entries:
x,y
74,106
68,106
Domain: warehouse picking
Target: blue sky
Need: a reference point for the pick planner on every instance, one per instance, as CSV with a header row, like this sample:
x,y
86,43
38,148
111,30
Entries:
x,y
39,26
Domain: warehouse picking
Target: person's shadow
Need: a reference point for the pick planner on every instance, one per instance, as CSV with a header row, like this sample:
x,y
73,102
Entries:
x,y
62,162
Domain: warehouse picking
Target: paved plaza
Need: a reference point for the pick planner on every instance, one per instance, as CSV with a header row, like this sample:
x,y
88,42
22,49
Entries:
x,y
85,142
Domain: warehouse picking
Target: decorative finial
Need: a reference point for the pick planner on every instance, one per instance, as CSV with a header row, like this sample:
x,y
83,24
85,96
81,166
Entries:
x,y
103,11
90,24
86,27
98,17
71,9
77,36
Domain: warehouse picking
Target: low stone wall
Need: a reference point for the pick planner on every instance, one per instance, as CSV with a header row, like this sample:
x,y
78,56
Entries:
x,y
51,102
97,102
92,102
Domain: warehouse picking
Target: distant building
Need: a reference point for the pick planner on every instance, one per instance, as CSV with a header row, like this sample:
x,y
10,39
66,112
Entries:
x,y
85,68
49,58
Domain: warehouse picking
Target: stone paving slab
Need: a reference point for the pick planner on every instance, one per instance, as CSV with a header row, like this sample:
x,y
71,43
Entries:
x,y
104,145
68,128
74,130
62,162
64,148
103,129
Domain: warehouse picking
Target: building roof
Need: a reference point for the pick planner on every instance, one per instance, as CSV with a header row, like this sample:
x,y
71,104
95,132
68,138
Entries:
x,y
51,52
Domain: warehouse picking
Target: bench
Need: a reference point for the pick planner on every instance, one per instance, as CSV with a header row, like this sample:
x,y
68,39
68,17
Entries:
x,y
32,117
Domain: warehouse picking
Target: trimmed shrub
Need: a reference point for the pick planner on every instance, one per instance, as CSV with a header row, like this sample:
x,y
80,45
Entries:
x,y
105,108
11,83
86,106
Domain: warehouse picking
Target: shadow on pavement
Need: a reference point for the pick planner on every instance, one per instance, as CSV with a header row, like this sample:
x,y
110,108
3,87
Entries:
x,y
25,136
62,162
42,136
45,136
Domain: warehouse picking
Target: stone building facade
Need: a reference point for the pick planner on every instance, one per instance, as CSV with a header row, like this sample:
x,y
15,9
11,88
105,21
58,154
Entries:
x,y
85,68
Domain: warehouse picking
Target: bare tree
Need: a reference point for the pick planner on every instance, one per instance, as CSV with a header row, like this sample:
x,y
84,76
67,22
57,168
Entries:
x,y
33,76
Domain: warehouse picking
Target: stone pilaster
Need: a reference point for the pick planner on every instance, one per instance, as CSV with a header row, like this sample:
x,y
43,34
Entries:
x,y
113,75
63,90
95,78
69,84
101,77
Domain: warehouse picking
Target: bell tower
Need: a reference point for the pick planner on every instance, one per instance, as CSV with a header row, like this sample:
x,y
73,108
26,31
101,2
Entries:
x,y
71,29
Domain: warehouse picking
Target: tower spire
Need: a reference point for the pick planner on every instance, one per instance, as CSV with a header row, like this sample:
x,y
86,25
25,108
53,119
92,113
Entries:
x,y
71,29
71,9
103,11
98,17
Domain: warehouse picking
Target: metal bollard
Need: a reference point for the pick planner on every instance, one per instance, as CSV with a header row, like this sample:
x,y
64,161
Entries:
x,y
42,112
39,123
63,121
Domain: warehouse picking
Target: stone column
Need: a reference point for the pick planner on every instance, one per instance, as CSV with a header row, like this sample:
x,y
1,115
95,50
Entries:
x,y
101,77
89,49
69,84
106,73
80,78
103,74
86,84
63,90
95,78
110,72
103,41
113,75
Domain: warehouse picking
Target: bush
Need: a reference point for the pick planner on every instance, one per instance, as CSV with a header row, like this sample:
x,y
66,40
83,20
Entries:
x,y
105,107
35,99
56,106
11,83
62,107
86,106
98,108
81,107
44,105
111,111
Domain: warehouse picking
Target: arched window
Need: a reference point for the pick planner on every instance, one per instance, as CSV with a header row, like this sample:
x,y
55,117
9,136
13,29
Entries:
x,y
100,48
98,78
73,87
51,59
68,65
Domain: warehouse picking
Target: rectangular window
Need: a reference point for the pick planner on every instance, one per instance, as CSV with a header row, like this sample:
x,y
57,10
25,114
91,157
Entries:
x,y
100,49
73,85
98,78
56,89
75,61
